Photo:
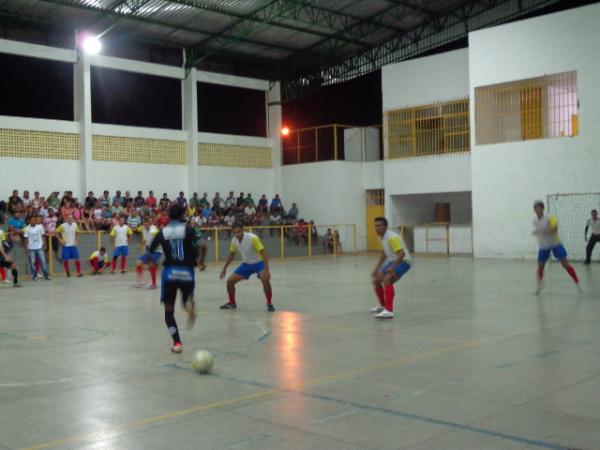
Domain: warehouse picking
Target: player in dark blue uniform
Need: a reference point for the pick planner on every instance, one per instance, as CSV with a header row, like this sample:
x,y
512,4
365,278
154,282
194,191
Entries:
x,y
177,242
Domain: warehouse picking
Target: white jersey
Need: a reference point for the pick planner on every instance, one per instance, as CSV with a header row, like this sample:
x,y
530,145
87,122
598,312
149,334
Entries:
x,y
543,228
149,235
35,237
68,233
121,235
249,248
391,243
594,225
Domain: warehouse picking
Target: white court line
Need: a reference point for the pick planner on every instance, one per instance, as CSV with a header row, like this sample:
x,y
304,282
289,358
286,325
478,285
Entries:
x,y
35,383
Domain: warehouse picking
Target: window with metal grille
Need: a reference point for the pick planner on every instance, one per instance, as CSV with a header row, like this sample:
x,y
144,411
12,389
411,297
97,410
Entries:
x,y
375,197
535,108
432,129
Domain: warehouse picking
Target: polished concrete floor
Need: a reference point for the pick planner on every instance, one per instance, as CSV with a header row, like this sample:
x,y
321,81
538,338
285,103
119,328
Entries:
x,y
473,360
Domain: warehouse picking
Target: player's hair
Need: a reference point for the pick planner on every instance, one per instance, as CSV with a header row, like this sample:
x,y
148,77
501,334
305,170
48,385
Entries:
x,y
594,211
103,249
383,220
237,225
538,203
176,212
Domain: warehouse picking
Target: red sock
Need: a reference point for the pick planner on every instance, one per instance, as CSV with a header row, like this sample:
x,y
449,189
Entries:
x,y
379,294
114,264
2,273
94,262
78,266
66,266
123,262
268,297
388,290
540,274
138,273
153,274
572,272
231,299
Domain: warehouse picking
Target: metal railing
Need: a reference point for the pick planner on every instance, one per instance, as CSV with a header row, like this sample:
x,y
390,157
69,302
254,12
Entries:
x,y
281,242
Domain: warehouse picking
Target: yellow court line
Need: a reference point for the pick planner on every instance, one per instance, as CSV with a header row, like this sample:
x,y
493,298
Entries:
x,y
114,431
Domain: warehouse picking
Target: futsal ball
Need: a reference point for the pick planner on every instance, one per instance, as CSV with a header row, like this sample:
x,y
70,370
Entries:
x,y
203,361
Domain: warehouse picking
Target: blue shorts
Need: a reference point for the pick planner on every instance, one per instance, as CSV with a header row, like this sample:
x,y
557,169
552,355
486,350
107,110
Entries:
x,y
558,251
122,250
247,270
69,253
401,268
150,257
174,279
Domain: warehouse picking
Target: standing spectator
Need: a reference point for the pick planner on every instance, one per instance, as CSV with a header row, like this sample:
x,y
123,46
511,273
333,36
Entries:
x,y
218,203
195,201
276,203
105,200
117,199
293,212
127,199
15,226
68,234
594,224
15,203
90,201
43,211
230,201
151,200
139,200
204,200
34,244
26,200
53,201
50,224
240,200
248,200
263,203
164,201
36,201
181,201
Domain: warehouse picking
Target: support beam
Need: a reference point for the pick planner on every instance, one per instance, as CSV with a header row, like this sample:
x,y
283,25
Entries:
x,y
82,94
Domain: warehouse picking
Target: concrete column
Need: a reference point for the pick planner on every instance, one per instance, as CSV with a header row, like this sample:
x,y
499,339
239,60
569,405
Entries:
x,y
274,132
82,95
190,124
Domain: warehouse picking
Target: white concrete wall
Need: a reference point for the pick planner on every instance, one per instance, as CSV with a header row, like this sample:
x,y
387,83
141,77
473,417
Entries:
x,y
328,192
507,178
44,175
415,209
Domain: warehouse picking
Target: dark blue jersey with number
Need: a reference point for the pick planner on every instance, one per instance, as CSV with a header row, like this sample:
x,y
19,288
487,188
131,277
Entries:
x,y
177,242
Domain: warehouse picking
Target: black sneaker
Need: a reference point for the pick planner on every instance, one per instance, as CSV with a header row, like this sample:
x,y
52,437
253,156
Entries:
x,y
228,306
68,274
270,308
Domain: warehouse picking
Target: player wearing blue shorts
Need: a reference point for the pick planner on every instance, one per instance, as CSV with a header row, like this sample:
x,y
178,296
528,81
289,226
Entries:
x,y
545,228
177,243
149,232
68,235
254,261
121,235
393,263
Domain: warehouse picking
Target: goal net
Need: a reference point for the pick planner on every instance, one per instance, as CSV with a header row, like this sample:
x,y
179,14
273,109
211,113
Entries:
x,y
573,211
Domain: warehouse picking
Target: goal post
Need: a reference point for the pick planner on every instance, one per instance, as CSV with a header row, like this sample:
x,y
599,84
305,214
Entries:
x,y
573,212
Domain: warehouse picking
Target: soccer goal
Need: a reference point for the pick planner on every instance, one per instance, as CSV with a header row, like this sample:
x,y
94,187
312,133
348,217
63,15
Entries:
x,y
573,211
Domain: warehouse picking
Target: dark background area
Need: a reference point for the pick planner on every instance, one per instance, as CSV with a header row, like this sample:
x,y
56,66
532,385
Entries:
x,y
231,110
126,98
33,87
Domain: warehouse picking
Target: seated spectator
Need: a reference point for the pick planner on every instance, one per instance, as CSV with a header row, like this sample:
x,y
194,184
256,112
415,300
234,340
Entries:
x,y
197,219
50,223
66,209
314,232
67,198
213,220
206,211
3,211
134,220
90,201
118,198
127,199
163,218
139,200
181,200
107,216
165,202
248,200
116,208
26,200
250,213
239,213
276,203
276,220
230,201
195,201
95,217
99,261
43,210
79,217
16,224
36,201
15,203
228,221
301,233
328,240
105,200
151,200
263,203
218,203
240,200
293,212
204,200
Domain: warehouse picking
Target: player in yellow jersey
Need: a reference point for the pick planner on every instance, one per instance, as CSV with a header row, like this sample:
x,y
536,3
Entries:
x,y
393,263
254,261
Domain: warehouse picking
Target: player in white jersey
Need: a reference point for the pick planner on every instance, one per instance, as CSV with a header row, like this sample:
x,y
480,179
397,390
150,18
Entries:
x,y
393,263
545,228
121,235
34,243
149,232
68,234
592,224
254,261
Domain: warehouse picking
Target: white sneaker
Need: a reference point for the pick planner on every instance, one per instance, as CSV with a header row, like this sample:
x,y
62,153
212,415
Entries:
x,y
385,314
579,287
376,309
7,282
540,286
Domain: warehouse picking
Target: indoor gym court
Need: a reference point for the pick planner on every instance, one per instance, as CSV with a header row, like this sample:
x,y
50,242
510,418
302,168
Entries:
x,y
473,360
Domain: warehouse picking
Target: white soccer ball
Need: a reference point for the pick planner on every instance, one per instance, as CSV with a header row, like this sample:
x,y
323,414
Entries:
x,y
202,361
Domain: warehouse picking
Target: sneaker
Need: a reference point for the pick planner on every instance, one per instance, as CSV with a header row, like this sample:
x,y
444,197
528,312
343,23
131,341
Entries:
x,y
376,309
34,278
68,274
79,275
7,282
540,286
152,286
270,308
177,347
48,278
578,287
201,267
228,306
112,272
190,307
385,314
94,273
123,271
17,285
